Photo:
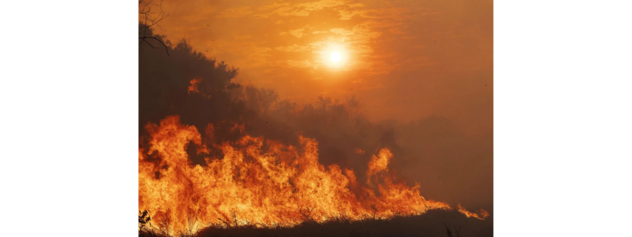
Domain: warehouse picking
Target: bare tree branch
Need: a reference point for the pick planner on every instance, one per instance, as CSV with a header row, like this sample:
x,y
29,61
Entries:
x,y
148,19
144,39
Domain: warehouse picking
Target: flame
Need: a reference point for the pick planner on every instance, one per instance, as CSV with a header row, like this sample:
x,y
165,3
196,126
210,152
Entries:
x,y
261,182
481,216
194,84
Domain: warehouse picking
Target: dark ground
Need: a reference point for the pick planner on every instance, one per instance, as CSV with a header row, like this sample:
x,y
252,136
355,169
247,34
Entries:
x,y
432,224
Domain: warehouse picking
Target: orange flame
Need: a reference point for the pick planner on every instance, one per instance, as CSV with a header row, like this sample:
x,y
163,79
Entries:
x,y
359,151
194,84
481,216
262,182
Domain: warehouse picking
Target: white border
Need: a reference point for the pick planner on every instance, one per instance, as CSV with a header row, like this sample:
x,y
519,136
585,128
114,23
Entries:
x,y
69,92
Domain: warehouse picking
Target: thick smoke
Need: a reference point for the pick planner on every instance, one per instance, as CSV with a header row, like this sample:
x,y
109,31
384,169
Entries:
x,y
430,151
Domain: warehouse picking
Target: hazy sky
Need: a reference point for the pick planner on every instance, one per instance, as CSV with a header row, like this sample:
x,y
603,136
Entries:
x,y
404,59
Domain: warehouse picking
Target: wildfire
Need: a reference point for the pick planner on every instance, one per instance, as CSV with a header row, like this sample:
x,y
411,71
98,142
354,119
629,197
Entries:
x,y
194,83
481,216
262,182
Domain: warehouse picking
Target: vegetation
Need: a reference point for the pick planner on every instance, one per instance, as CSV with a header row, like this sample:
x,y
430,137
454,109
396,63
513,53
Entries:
x,y
174,79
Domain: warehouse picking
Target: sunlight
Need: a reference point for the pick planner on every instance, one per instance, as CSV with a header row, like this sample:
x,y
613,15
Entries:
x,y
335,55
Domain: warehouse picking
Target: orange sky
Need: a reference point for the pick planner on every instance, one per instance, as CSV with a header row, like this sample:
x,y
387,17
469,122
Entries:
x,y
405,59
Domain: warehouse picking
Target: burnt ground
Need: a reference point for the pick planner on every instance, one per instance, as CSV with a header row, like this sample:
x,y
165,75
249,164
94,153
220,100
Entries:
x,y
435,223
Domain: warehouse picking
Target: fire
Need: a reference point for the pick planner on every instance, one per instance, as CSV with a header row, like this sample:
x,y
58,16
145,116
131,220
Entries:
x,y
261,182
481,216
194,84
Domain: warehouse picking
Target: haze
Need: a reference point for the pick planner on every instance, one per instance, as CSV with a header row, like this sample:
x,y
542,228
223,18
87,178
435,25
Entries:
x,y
428,61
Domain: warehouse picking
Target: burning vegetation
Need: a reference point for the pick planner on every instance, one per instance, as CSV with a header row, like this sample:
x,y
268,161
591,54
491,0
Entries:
x,y
213,153
262,182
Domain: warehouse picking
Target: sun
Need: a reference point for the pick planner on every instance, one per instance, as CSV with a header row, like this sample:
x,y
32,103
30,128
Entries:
x,y
335,56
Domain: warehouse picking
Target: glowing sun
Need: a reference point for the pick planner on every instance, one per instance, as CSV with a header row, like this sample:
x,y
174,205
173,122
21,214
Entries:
x,y
335,56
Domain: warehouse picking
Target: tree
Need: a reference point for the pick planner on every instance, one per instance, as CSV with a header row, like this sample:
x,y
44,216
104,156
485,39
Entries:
x,y
147,18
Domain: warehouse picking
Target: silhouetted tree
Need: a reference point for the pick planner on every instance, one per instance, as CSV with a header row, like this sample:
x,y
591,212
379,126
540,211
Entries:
x,y
147,19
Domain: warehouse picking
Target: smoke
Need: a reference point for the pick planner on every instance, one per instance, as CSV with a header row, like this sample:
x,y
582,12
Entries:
x,y
429,151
